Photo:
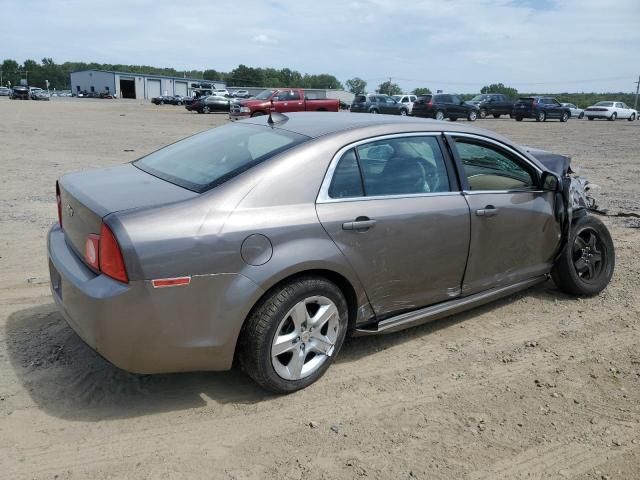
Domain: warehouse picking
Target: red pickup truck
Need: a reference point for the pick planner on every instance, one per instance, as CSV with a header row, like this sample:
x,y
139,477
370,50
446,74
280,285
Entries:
x,y
280,100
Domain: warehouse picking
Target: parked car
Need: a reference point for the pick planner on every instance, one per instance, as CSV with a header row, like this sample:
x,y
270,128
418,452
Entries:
x,y
406,100
282,101
241,94
221,92
378,104
444,105
611,111
540,108
20,92
40,95
576,112
495,104
208,104
214,251
5,92
161,100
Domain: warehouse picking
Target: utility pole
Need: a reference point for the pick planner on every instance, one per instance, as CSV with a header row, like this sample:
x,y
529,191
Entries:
x,y
635,105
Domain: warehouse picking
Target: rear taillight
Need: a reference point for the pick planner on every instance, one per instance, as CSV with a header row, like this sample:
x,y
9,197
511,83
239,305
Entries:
x,y
59,202
103,254
110,256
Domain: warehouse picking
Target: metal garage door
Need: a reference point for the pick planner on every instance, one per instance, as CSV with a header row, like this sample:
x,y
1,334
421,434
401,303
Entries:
x,y
153,88
181,88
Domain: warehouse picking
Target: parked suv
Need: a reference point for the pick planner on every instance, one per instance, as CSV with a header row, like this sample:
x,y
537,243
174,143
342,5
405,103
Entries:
x,y
495,104
540,108
444,105
406,100
378,104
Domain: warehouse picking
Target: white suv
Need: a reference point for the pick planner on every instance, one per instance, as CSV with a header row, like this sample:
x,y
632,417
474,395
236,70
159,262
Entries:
x,y
406,100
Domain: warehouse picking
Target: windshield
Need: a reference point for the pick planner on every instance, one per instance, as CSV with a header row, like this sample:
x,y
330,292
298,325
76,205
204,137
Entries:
x,y
265,94
205,160
604,104
480,98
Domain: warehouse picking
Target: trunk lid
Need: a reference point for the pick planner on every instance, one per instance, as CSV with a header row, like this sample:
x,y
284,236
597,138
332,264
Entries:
x,y
87,197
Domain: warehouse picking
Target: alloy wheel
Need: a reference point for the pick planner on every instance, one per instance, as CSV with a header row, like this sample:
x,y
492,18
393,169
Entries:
x,y
305,338
439,115
588,255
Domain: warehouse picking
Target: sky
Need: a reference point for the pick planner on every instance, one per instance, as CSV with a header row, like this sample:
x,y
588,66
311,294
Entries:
x,y
455,45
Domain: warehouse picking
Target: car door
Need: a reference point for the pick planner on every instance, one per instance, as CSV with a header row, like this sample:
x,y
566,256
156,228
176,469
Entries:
x,y
555,107
623,110
288,101
390,106
457,107
393,208
514,232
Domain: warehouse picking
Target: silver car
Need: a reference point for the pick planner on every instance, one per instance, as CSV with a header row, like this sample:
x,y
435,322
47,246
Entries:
x,y
576,112
265,242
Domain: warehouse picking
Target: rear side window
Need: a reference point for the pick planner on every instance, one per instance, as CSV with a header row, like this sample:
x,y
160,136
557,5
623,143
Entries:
x,y
489,168
423,99
208,159
396,166
360,98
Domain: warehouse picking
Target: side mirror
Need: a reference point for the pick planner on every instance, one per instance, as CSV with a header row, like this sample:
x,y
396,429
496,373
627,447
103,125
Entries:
x,y
550,182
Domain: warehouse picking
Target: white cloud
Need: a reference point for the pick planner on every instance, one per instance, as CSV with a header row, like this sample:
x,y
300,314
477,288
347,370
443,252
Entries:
x,y
568,45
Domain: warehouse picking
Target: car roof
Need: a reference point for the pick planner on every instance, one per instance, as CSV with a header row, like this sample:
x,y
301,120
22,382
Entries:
x,y
317,124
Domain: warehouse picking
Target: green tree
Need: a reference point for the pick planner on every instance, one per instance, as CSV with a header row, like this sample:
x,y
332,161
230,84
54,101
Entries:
x,y
10,69
421,91
211,74
500,88
389,88
356,85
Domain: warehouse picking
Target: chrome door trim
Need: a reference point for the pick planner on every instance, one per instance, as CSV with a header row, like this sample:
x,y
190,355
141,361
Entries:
x,y
323,194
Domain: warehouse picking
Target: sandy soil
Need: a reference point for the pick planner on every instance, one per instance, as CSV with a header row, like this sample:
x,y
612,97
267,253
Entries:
x,y
539,385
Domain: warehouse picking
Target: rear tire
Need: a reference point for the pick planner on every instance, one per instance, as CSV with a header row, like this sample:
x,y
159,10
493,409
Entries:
x,y
453,119
541,117
439,115
518,119
301,319
206,109
581,116
482,113
472,116
496,115
374,111
586,264
403,112
589,118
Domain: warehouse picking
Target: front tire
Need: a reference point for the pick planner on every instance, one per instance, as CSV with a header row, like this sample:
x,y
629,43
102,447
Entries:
x,y
257,114
613,117
374,111
564,117
206,109
472,116
586,264
482,114
403,112
496,115
294,334
581,116
541,117
632,117
518,119
439,115
590,118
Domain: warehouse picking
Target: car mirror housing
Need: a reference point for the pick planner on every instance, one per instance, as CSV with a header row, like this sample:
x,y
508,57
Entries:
x,y
549,182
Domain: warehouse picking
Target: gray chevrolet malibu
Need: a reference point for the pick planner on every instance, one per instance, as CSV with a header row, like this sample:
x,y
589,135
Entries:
x,y
265,242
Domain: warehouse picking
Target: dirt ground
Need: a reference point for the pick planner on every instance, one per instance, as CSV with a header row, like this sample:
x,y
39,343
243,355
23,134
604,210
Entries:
x,y
538,385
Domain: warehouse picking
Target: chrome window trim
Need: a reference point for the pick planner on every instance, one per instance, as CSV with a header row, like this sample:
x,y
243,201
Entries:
x,y
497,143
323,194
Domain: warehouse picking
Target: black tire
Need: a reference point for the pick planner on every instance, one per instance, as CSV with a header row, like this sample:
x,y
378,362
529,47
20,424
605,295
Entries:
x,y
589,118
206,109
261,327
564,117
632,117
581,116
541,116
374,111
439,115
482,113
518,119
453,119
179,104
613,117
589,247
404,112
257,114
496,115
472,116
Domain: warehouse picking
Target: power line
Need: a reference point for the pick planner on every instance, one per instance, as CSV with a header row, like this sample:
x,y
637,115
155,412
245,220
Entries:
x,y
431,81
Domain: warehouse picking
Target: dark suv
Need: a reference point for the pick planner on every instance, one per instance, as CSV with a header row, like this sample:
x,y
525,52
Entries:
x,y
540,108
443,105
495,104
378,104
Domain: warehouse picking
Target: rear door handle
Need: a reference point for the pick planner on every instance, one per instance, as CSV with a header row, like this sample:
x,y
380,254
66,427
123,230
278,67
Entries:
x,y
488,211
360,223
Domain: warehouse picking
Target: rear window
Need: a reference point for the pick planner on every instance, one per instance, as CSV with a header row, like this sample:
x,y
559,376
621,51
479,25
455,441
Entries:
x,y
208,159
604,104
423,99
360,98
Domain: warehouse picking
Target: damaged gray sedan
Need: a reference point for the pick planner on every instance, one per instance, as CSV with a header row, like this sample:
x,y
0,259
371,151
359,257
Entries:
x,y
265,242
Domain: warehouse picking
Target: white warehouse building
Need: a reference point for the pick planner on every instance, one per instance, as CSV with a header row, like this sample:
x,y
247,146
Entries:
x,y
135,85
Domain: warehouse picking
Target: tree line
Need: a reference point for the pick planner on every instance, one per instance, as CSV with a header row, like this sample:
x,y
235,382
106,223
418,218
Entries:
x,y
37,73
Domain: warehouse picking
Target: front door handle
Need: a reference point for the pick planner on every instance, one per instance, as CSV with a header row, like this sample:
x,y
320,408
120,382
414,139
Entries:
x,y
488,211
360,223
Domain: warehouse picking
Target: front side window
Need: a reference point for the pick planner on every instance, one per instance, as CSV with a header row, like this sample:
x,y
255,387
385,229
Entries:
x,y
488,168
208,159
395,166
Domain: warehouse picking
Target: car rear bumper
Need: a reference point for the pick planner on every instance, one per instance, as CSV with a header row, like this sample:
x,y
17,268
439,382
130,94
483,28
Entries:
x,y
143,329
597,114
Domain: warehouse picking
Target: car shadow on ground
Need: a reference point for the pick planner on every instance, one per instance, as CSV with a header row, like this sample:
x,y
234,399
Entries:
x,y
68,379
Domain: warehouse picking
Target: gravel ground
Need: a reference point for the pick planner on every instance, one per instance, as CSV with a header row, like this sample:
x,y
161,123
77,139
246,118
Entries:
x,y
537,385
